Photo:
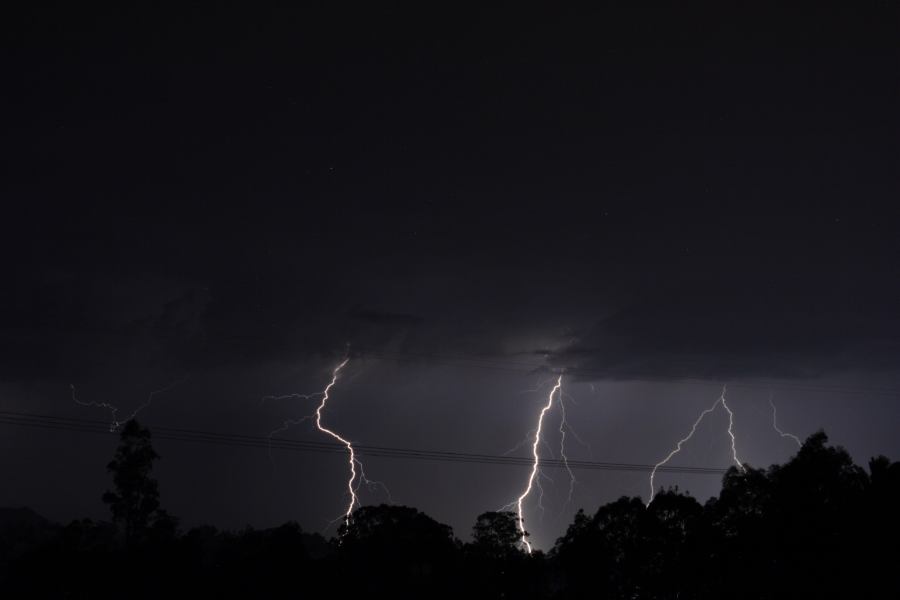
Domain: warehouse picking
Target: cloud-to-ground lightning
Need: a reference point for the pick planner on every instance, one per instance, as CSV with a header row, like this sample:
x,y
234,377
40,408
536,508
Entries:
x,y
357,472
115,421
535,439
562,442
783,434
535,466
352,455
720,400
734,455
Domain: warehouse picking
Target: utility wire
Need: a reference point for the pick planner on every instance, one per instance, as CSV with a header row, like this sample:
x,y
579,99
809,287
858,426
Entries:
x,y
50,422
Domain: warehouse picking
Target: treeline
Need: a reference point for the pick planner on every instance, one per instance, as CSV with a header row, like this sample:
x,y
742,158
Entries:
x,y
818,526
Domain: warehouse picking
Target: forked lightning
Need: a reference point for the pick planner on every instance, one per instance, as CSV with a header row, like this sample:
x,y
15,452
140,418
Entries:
x,y
720,400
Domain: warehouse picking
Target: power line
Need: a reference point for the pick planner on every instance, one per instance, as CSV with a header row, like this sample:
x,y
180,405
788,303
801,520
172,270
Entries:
x,y
50,422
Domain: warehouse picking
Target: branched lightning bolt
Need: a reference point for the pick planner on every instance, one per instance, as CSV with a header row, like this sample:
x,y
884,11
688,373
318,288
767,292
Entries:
x,y
352,454
681,442
540,487
357,472
520,521
528,440
572,431
115,422
775,424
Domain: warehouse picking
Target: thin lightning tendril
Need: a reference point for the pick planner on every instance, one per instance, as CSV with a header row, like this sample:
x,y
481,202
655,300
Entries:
x,y
775,425
575,433
528,440
562,444
287,423
115,422
681,442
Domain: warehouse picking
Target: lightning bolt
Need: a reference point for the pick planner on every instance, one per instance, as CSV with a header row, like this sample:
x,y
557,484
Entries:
x,y
563,426
354,500
535,467
357,472
681,442
734,455
528,440
775,424
115,421
287,423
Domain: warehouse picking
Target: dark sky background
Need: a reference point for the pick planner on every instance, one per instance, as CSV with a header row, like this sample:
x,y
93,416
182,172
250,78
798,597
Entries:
x,y
659,200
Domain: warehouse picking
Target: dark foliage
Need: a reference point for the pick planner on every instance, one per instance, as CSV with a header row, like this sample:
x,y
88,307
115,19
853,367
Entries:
x,y
135,503
818,526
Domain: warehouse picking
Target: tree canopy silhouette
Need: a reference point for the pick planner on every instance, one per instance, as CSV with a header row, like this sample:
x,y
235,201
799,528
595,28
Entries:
x,y
817,526
135,502
496,535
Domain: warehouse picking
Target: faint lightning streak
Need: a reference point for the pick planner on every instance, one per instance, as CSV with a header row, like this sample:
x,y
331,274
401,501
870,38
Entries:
x,y
115,422
536,465
734,455
563,426
720,400
572,431
290,396
540,487
372,483
287,423
775,425
678,447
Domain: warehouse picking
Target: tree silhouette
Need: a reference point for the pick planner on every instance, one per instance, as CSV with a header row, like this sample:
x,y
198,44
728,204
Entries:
x,y
818,526
496,535
399,552
497,565
135,502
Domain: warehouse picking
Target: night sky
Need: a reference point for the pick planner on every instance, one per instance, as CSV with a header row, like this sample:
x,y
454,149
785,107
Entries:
x,y
654,201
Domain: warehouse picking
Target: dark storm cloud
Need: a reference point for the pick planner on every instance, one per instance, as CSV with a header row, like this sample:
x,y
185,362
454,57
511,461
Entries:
x,y
75,324
685,199
369,315
723,336
238,193
87,324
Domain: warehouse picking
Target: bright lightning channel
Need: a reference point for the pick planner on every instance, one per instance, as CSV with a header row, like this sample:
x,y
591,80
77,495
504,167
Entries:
x,y
783,434
354,500
115,421
520,520
357,472
720,400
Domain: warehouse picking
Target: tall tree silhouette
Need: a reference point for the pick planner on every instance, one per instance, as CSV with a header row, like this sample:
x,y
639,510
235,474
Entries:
x,y
496,564
135,502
